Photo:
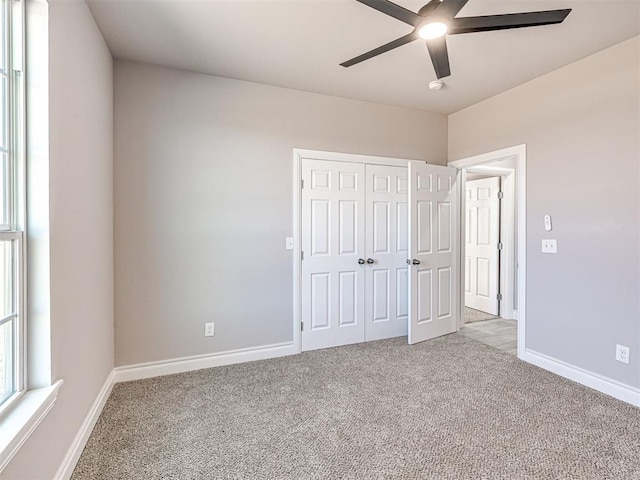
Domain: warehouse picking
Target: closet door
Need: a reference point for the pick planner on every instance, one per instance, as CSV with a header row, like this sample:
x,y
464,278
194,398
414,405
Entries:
x,y
333,246
387,242
433,245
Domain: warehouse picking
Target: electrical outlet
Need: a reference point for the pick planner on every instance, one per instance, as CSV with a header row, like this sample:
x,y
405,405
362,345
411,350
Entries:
x,y
549,246
208,329
622,354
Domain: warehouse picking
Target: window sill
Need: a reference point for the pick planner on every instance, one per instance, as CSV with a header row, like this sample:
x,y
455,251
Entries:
x,y
22,419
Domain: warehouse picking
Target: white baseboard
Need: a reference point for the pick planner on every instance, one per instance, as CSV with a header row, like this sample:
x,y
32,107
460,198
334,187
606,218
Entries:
x,y
618,390
73,454
188,364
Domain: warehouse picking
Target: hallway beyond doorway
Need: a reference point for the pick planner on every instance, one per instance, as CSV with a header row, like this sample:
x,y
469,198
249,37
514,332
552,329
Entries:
x,y
498,333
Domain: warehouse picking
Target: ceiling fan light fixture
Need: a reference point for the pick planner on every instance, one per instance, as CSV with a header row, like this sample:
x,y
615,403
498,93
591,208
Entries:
x,y
433,30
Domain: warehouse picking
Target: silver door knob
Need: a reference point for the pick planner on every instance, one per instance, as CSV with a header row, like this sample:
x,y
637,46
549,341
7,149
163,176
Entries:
x,y
415,262
370,261
361,261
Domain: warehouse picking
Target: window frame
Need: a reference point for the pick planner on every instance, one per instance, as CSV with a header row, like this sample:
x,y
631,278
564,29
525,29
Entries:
x,y
15,197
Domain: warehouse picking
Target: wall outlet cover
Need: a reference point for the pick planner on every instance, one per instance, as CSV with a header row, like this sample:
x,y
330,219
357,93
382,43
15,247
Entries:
x,y
209,329
549,246
622,353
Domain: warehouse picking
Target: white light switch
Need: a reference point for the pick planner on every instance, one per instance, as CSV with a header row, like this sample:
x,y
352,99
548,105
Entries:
x,y
549,246
547,223
288,244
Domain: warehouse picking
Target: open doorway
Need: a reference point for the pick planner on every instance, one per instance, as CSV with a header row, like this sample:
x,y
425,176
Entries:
x,y
489,241
489,256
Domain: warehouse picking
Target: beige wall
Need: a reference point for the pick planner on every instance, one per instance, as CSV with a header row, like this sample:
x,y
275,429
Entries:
x,y
582,130
204,201
81,233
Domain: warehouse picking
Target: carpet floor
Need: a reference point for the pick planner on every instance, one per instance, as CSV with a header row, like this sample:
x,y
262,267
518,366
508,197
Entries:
x,y
450,408
471,315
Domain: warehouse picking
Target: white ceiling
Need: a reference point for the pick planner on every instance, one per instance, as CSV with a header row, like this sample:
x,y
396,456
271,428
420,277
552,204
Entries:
x,y
299,44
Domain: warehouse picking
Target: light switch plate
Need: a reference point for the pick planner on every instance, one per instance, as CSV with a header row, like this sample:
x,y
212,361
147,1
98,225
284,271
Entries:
x,y
547,223
288,243
549,246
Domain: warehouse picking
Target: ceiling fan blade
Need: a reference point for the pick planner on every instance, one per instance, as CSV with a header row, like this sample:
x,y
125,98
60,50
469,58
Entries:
x,y
429,8
450,8
398,42
395,11
439,56
507,21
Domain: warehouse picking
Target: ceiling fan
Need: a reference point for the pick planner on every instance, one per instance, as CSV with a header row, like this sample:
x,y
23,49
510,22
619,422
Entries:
x,y
436,20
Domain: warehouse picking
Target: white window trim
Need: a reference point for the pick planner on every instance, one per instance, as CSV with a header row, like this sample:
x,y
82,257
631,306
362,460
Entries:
x,y
18,423
25,410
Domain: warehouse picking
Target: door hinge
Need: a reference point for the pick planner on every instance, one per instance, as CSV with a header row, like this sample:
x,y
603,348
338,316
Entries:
x,y
500,296
500,246
301,326
500,195
301,255
301,184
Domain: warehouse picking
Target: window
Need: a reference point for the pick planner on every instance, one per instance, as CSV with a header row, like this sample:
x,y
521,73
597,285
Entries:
x,y
12,321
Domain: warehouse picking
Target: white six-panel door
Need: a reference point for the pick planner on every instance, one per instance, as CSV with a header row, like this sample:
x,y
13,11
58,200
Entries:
x,y
433,246
332,243
482,235
387,222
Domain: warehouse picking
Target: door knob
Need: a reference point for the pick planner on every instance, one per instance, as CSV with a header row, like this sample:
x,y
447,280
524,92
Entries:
x,y
370,261
361,261
415,262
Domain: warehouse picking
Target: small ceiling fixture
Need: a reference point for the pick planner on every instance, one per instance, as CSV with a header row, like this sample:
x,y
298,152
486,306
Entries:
x,y
436,85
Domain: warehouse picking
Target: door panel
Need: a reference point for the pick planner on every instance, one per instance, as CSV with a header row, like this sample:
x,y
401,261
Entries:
x,y
347,294
380,227
332,242
425,293
445,300
380,295
347,226
433,234
424,226
386,293
482,237
320,307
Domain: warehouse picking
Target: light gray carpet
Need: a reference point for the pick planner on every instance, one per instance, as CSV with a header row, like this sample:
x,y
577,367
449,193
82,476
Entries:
x,y
472,315
451,408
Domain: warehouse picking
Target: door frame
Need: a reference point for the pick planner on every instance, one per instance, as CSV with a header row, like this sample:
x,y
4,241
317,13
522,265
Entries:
x,y
520,153
300,154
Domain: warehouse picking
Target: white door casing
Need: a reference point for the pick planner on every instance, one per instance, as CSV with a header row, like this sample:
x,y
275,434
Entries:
x,y
519,153
386,281
433,247
332,243
482,235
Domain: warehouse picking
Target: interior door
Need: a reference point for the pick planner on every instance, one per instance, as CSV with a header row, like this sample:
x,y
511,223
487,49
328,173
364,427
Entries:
x,y
333,265
387,243
433,248
482,235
